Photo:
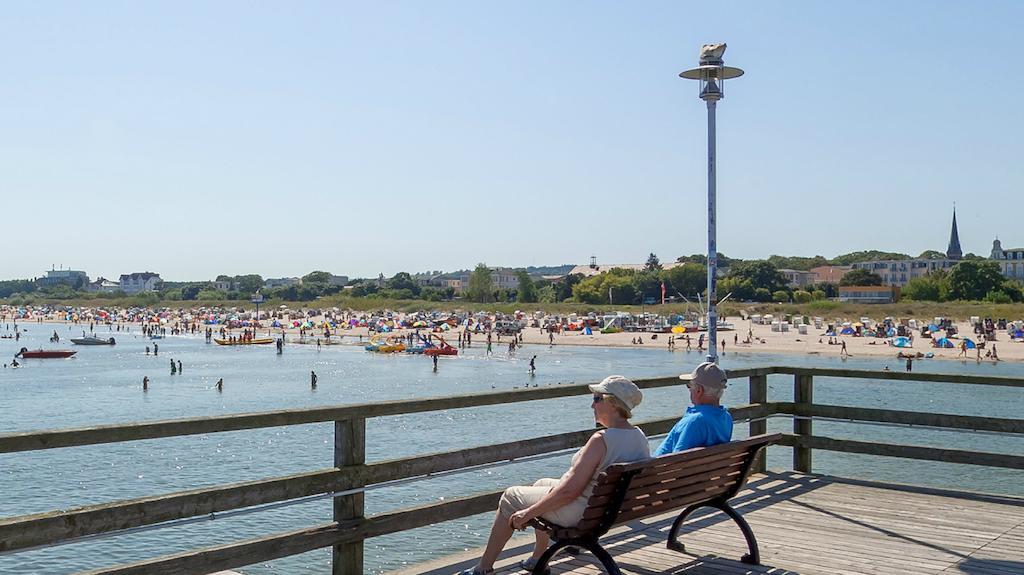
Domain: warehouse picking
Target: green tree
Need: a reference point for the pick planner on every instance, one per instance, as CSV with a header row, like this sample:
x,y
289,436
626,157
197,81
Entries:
x,y
860,277
564,288
547,294
761,274
688,280
403,281
801,296
317,277
973,280
931,255
924,288
653,263
647,284
854,257
797,263
249,283
190,292
781,296
741,289
527,292
481,285
724,261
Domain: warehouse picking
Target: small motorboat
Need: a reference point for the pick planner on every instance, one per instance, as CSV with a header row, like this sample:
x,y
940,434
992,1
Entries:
x,y
92,340
442,350
240,342
44,353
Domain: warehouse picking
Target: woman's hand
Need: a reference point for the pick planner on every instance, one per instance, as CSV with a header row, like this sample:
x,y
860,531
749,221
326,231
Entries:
x,y
519,519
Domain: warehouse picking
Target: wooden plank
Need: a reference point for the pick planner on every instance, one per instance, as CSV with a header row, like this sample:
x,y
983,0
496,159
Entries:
x,y
51,439
279,545
951,421
31,530
903,376
982,458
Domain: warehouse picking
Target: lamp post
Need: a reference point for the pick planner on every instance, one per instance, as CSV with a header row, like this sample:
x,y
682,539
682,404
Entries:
x,y
712,73
257,298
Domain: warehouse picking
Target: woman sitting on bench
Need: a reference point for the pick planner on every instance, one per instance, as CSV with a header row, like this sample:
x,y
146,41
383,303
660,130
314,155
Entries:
x,y
563,500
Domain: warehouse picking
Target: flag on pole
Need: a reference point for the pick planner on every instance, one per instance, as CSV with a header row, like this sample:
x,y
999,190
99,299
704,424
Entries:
x,y
609,294
662,293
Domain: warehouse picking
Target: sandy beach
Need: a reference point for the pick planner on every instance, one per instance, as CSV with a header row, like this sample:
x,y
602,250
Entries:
x,y
764,340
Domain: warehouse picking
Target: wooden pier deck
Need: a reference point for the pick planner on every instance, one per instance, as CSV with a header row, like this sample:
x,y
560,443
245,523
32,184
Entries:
x,y
809,524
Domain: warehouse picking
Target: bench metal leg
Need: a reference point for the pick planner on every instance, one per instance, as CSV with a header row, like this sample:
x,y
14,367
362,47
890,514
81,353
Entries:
x,y
754,556
541,568
673,541
610,566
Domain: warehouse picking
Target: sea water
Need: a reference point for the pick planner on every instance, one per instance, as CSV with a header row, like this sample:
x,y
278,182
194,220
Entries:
x,y
103,385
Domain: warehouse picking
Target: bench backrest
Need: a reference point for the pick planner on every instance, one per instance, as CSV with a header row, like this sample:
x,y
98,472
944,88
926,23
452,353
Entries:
x,y
628,491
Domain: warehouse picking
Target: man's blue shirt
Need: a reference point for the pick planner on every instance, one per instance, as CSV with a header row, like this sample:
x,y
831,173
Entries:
x,y
701,426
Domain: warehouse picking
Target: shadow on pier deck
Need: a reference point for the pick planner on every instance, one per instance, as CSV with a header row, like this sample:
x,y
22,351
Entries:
x,y
808,524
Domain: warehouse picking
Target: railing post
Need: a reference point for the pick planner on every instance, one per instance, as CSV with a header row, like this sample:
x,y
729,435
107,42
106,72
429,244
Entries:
x,y
759,394
349,449
803,393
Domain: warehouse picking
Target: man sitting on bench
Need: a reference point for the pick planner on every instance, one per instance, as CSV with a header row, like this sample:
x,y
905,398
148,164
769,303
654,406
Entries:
x,y
706,422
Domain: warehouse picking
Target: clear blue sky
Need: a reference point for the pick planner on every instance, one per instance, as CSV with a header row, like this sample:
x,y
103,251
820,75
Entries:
x,y
193,139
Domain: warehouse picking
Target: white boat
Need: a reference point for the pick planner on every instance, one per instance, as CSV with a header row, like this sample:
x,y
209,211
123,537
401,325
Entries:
x,y
92,340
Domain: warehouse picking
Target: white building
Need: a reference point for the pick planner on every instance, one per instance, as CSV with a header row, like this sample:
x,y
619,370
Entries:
x,y
502,278
103,285
1011,261
797,278
73,278
140,282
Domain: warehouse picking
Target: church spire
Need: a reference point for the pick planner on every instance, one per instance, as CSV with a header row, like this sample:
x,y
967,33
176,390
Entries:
x,y
954,252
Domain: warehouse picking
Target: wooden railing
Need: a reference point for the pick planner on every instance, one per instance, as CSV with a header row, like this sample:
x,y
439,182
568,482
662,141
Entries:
x,y
351,472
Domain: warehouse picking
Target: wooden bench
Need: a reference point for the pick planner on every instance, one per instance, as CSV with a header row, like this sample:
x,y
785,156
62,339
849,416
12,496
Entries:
x,y
700,477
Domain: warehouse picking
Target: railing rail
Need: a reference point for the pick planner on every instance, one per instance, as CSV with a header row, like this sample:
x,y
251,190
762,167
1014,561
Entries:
x,y
351,472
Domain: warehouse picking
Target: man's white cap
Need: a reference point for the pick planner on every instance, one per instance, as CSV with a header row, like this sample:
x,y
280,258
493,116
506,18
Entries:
x,y
623,389
707,375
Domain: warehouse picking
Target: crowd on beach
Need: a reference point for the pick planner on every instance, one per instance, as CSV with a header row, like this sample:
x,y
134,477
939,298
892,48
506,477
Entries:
x,y
941,337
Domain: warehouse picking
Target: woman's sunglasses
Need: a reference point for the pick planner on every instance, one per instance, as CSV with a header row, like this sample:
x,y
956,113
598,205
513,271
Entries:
x,y
598,398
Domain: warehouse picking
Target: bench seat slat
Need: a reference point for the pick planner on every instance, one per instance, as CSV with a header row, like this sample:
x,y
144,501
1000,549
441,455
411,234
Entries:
x,y
671,504
636,491
668,496
607,482
641,481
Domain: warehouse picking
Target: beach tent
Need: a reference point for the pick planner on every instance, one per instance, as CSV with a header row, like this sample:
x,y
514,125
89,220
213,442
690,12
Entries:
x,y
846,331
945,342
970,344
891,332
830,333
1017,334
933,327
901,342
587,331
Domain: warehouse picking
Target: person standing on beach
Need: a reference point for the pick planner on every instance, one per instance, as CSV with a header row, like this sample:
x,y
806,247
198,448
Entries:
x,y
435,362
533,365
156,349
842,351
180,371
312,379
174,368
910,364
145,383
220,385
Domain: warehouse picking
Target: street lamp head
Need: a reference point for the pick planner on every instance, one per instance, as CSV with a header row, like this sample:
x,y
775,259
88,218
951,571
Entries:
x,y
712,72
